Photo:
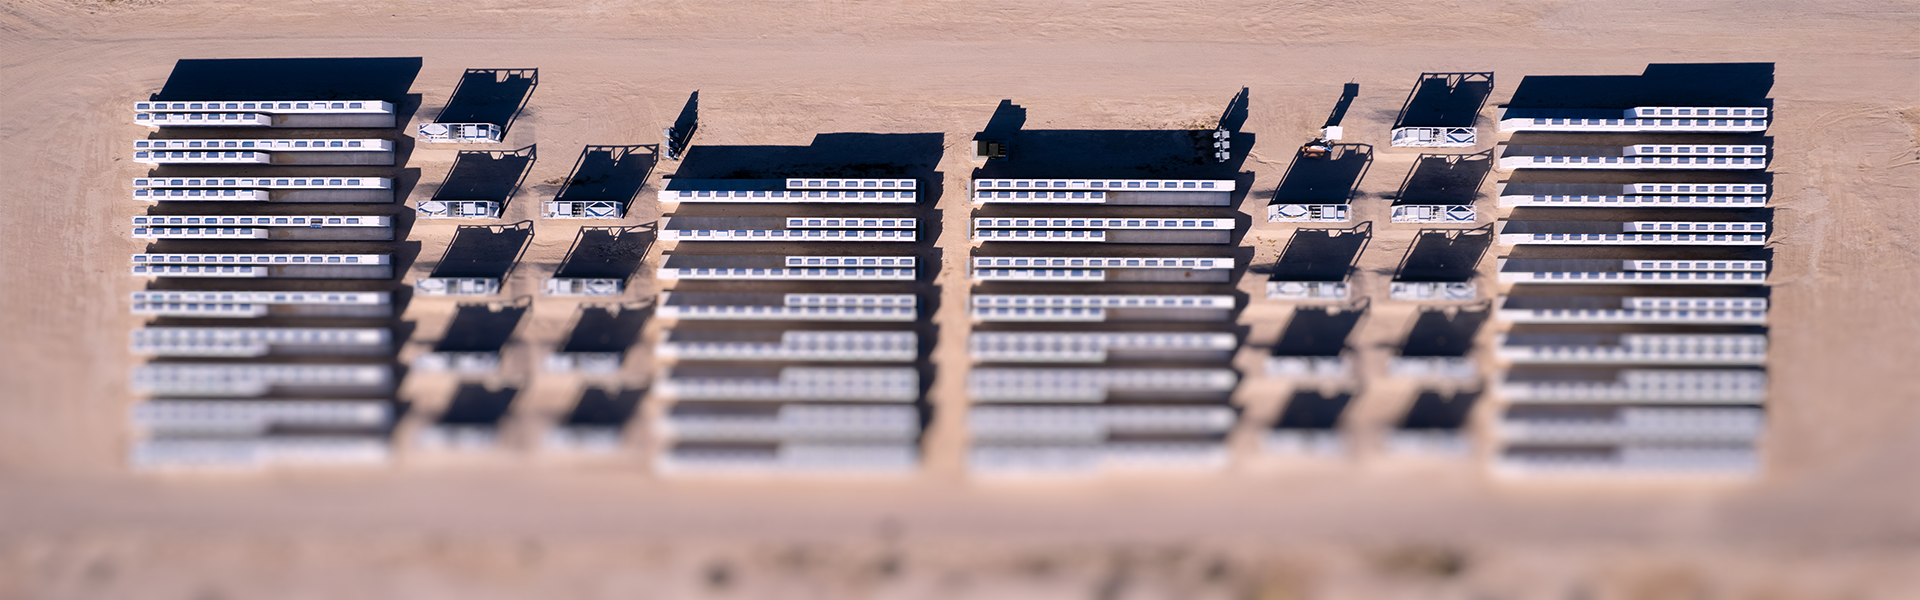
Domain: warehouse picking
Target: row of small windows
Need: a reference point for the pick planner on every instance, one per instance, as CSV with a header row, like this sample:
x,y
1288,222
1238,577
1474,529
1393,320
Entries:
x,y
248,144
245,105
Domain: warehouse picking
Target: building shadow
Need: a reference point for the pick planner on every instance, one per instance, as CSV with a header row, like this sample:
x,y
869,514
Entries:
x,y
386,79
1319,330
607,329
484,250
607,252
1446,100
1313,410
1434,411
681,134
1438,332
474,404
481,327
1661,84
1235,116
600,408
1445,254
609,173
490,96
1330,180
874,155
486,175
1347,93
1321,254
1445,179
1110,153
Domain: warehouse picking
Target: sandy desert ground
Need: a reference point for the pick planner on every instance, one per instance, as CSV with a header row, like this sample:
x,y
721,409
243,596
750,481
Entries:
x,y
1834,516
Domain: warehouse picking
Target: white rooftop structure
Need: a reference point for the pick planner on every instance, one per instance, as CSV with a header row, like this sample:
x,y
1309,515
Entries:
x,y
1637,272
1445,368
1330,368
1636,349
792,422
1586,425
1094,268
251,227
1154,192
995,384
1095,347
1631,460
273,107
1100,307
356,183
800,307
1097,423
1723,159
251,304
259,341
1309,213
801,268
1056,459
257,417
1143,230
1648,310
1661,119
457,209
311,266
1643,386
797,229
790,458
1634,233
253,379
296,113
828,190
456,286
1616,201
256,453
158,152
800,384
827,346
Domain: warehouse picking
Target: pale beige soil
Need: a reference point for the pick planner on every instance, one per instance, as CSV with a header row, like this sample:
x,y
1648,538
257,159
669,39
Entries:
x,y
1833,517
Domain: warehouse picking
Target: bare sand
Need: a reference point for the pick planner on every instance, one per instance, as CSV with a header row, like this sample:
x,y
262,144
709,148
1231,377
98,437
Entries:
x,y
1833,517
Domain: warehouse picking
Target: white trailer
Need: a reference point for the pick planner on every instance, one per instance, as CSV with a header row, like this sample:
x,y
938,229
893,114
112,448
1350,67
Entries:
x,y
1309,213
582,209
1101,307
458,133
457,209
457,286
593,287
789,307
1435,137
